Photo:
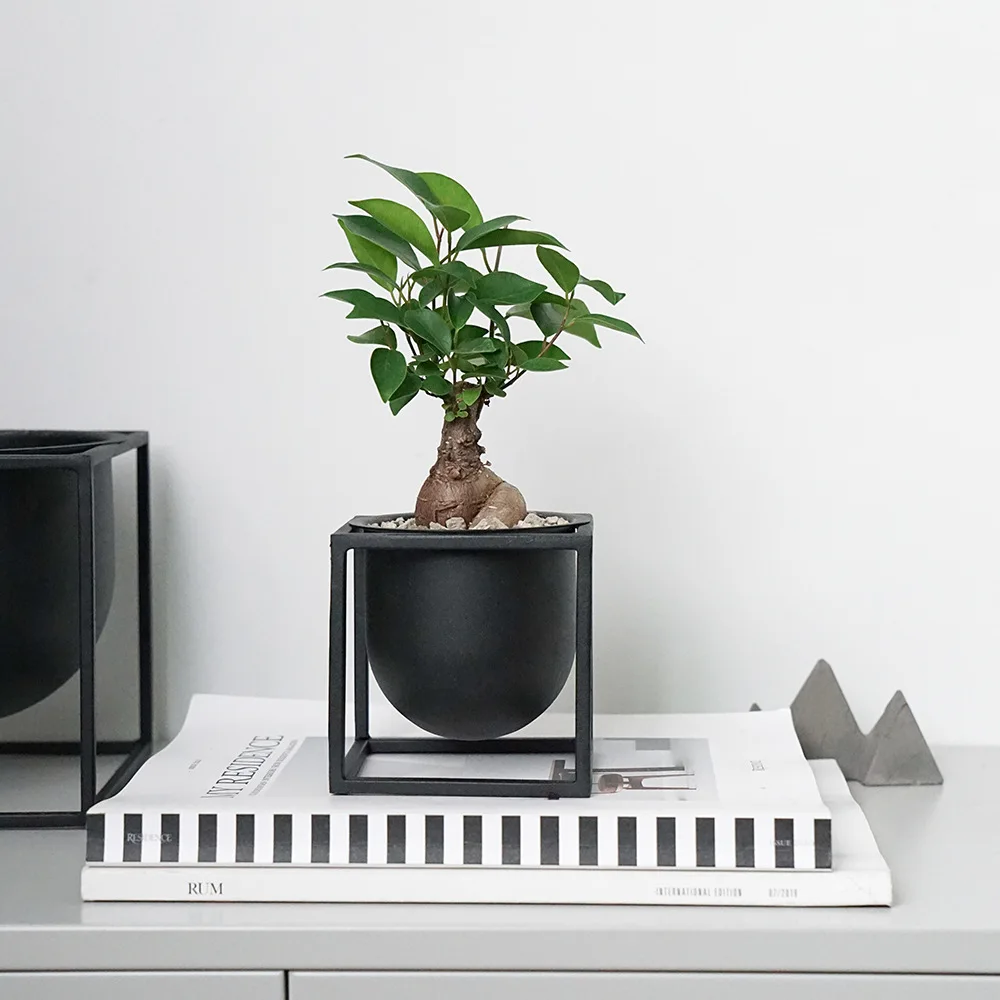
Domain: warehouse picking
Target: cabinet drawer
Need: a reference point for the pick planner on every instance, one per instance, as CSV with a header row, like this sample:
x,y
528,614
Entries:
x,y
633,986
142,985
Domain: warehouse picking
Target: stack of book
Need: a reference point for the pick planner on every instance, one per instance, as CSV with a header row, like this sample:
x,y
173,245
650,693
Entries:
x,y
686,809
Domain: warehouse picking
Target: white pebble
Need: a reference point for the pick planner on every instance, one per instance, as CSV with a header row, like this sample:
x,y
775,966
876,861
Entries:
x,y
490,523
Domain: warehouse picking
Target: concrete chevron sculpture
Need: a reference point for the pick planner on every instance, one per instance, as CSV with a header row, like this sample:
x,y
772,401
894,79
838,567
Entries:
x,y
893,753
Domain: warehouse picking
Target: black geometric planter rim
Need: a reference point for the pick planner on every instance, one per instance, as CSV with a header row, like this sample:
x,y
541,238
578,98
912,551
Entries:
x,y
373,523
361,536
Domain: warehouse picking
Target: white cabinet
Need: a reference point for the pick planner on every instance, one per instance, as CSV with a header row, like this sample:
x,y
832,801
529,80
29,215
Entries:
x,y
633,986
142,986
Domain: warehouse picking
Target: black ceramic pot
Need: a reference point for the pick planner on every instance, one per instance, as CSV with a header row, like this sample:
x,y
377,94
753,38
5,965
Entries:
x,y
40,565
471,645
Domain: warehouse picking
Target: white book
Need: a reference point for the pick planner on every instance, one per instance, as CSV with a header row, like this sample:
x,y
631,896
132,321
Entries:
x,y
859,877
245,783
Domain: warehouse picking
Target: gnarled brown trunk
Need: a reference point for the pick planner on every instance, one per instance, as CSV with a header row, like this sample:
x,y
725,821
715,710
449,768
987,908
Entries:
x,y
461,485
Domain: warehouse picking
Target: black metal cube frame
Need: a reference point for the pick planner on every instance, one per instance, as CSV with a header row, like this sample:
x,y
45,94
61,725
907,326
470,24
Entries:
x,y
346,764
90,747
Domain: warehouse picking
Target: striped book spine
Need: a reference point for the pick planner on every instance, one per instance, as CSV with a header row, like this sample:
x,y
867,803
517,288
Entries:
x,y
603,840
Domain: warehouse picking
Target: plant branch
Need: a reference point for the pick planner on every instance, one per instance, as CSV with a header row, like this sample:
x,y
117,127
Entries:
x,y
444,303
486,259
511,381
409,340
546,345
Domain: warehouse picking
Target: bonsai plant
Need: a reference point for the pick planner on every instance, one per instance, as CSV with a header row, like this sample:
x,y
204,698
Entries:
x,y
461,329
469,643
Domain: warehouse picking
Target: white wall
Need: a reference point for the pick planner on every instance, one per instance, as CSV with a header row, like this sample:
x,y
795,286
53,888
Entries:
x,y
802,201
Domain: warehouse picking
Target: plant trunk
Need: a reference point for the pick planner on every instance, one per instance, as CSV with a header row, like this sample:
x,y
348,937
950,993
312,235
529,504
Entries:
x,y
461,485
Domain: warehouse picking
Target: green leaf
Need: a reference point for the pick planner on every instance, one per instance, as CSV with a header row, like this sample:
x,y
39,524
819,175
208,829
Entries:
x,y
545,364
506,288
449,417
366,305
407,390
398,402
409,384
564,272
524,309
449,217
431,291
457,273
373,272
388,371
460,309
513,237
472,233
436,385
604,288
430,328
495,387
481,345
426,274
402,221
470,332
462,272
556,300
469,396
583,327
373,256
613,324
444,212
450,193
427,368
548,317
372,230
412,181
501,354
468,367
490,312
532,348
380,335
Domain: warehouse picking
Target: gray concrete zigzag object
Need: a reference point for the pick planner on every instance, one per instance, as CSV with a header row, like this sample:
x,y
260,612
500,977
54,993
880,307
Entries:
x,y
893,753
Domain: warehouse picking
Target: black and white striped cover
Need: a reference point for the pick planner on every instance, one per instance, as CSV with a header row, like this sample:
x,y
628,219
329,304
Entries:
x,y
603,840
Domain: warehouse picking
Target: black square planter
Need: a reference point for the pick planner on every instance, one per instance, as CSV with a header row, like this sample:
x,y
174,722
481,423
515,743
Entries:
x,y
537,634
56,582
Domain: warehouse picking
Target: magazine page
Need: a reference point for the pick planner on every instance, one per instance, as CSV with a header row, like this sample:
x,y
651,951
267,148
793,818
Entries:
x,y
238,754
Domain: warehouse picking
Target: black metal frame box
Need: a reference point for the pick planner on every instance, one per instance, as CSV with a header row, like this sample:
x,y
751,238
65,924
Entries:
x,y
90,747
346,764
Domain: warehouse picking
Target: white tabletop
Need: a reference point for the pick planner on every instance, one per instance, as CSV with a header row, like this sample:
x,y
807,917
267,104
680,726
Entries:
x,y
943,845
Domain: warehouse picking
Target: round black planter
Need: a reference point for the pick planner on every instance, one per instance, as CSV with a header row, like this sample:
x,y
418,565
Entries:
x,y
40,565
470,645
